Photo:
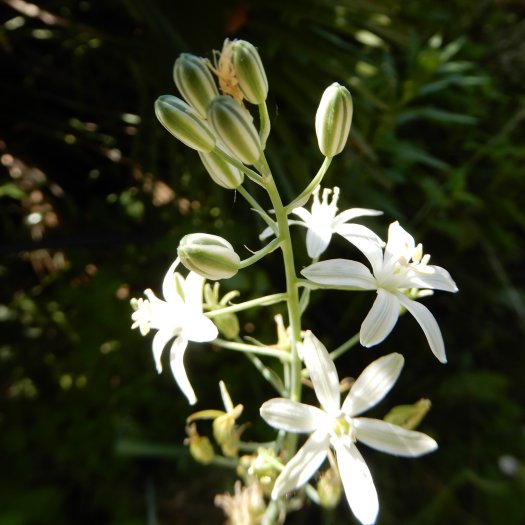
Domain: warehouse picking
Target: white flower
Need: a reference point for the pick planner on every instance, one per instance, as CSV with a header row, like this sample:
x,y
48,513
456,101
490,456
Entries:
x,y
335,425
323,221
401,268
179,316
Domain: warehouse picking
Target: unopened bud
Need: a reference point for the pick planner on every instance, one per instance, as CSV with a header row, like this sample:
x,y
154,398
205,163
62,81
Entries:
x,y
195,82
233,125
249,71
333,119
210,256
221,171
184,123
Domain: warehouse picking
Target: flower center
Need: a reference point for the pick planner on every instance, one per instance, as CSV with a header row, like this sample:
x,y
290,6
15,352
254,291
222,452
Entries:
x,y
323,210
343,428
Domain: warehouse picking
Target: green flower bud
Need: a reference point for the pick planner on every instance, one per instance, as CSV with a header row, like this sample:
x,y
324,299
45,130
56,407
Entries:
x,y
249,71
184,123
210,256
195,82
234,126
222,172
333,119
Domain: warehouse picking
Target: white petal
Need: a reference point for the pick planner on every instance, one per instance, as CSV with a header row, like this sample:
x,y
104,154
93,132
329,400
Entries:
x,y
360,235
428,324
373,384
357,482
400,243
317,240
341,272
434,277
292,416
303,214
193,292
267,232
352,213
303,465
179,372
169,289
159,342
322,373
198,328
381,319
392,439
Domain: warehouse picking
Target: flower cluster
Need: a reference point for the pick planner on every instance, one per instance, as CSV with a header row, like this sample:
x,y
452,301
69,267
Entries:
x,y
214,117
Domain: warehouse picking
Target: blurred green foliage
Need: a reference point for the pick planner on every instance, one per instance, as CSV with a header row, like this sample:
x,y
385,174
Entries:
x,y
94,196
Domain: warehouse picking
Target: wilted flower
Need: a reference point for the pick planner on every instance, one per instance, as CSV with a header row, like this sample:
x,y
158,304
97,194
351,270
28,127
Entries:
x,y
178,317
337,426
401,268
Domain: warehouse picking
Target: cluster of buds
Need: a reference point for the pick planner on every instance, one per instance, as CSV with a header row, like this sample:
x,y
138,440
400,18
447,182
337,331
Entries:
x,y
214,120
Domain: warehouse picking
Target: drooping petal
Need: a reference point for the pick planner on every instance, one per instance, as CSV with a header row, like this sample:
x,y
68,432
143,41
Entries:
x,y
318,238
381,318
179,372
292,416
392,439
169,287
322,373
373,384
160,340
303,465
341,272
352,213
360,236
428,324
193,292
198,328
357,482
433,277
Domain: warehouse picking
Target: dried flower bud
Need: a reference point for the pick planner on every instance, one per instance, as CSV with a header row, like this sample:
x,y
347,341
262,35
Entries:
x,y
233,125
195,82
249,71
329,488
201,448
184,123
333,119
210,256
221,171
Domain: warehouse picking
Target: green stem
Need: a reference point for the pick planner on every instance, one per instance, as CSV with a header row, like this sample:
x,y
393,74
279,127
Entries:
x,y
292,289
252,349
269,248
264,124
340,350
252,175
256,206
260,301
305,194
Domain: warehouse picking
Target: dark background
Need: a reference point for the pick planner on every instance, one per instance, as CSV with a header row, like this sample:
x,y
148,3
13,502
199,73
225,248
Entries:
x,y
94,196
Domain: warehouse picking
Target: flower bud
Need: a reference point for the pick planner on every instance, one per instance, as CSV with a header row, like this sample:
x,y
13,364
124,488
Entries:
x,y
333,119
234,126
195,82
221,171
329,488
201,448
249,71
210,256
184,123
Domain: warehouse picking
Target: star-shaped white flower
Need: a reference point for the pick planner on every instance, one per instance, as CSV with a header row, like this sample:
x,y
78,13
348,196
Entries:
x,y
401,268
337,426
323,221
179,316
